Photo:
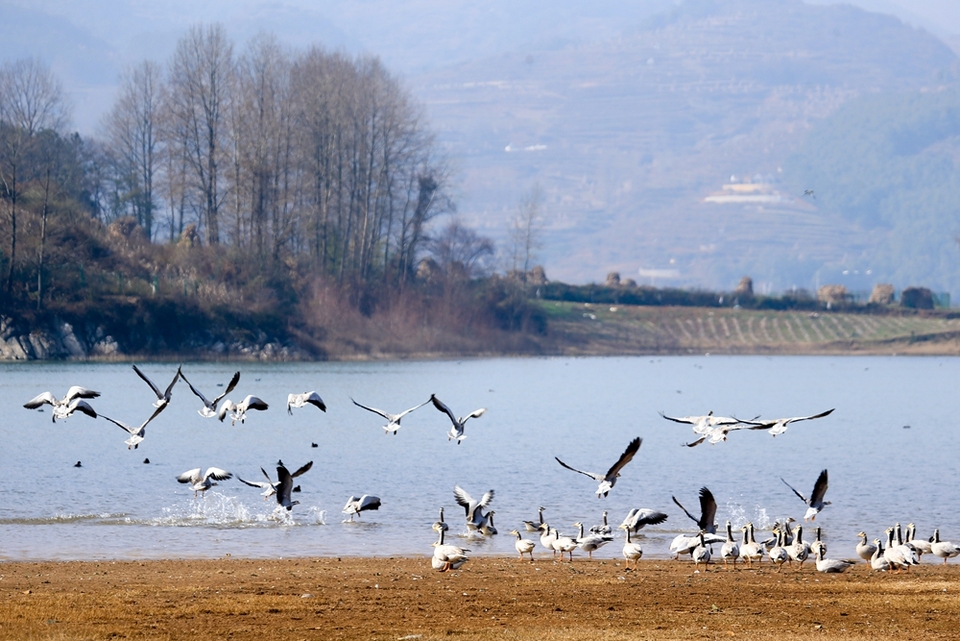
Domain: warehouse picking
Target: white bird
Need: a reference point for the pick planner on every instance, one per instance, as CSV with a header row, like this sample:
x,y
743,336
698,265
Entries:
x,y
608,480
730,551
547,537
447,557
638,518
818,544
209,409
393,420
920,545
238,412
779,426
815,502
563,544
269,486
63,408
137,434
591,542
909,551
523,546
631,550
878,561
943,549
865,550
534,526
473,509
162,397
456,429
799,551
441,524
701,553
750,550
778,553
356,505
702,424
203,482
895,555
708,511
296,401
831,566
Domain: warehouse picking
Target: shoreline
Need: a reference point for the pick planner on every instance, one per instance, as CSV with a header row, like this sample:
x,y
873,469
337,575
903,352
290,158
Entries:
x,y
404,598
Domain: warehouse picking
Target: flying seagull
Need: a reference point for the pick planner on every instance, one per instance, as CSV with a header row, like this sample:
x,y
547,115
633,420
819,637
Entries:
x,y
296,401
608,480
779,426
162,397
269,486
708,511
137,434
285,487
456,430
209,409
238,412
815,502
393,420
203,482
66,406
702,424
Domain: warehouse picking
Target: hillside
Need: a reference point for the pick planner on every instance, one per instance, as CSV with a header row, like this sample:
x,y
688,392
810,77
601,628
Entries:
x,y
628,135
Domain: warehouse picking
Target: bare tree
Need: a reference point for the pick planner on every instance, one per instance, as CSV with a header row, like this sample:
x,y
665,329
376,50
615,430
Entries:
x,y
132,132
31,100
526,231
201,78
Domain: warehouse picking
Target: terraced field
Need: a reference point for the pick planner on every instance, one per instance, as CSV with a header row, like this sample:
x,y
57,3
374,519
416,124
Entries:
x,y
577,328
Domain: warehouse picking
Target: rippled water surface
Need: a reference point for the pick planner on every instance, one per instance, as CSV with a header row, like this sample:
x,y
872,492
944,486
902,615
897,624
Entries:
x,y
890,448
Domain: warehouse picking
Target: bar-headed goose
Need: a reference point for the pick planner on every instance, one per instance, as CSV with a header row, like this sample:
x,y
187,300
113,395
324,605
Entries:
x,y
608,480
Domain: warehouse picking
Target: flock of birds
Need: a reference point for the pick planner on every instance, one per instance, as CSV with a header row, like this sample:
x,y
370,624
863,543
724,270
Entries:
x,y
786,544
77,397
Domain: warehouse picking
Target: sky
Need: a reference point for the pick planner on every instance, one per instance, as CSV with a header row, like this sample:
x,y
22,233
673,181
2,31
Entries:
x,y
89,42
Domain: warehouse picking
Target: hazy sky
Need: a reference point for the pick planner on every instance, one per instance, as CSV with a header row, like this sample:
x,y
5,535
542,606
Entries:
x,y
88,42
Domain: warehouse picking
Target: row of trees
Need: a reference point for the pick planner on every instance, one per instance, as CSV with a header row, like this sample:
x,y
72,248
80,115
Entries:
x,y
314,155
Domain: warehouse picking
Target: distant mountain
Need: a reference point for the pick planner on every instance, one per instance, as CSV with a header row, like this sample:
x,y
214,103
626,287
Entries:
x,y
629,136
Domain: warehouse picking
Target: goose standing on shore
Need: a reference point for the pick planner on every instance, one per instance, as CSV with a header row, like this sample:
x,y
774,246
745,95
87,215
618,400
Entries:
x,y
162,397
591,542
447,557
136,433
456,429
831,566
750,550
296,401
865,550
608,480
701,554
393,420
209,409
815,503
631,549
943,549
523,546
203,482
64,407
730,551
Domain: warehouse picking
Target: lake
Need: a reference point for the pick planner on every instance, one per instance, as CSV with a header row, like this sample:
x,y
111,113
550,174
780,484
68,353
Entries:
x,y
890,456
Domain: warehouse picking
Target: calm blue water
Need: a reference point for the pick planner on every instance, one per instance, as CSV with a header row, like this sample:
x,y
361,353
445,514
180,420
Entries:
x,y
584,410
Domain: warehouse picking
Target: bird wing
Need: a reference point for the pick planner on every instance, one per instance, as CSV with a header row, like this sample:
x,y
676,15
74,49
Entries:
x,y
226,407
169,390
808,418
314,399
190,476
260,484
152,416
696,442
254,403
267,475
599,478
82,406
802,497
217,474
819,489
690,516
79,392
230,386
443,408
474,414
464,500
405,412
195,390
149,382
625,458
122,426
40,400
369,502
385,415
486,499
304,468
687,420
708,510
284,486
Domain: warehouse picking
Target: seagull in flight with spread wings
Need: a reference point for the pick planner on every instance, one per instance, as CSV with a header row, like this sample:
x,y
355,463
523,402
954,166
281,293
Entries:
x,y
608,480
136,433
269,486
296,401
456,430
162,397
393,420
815,503
66,406
209,409
702,424
779,426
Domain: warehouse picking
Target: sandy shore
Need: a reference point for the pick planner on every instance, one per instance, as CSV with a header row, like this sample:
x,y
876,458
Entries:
x,y
403,598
